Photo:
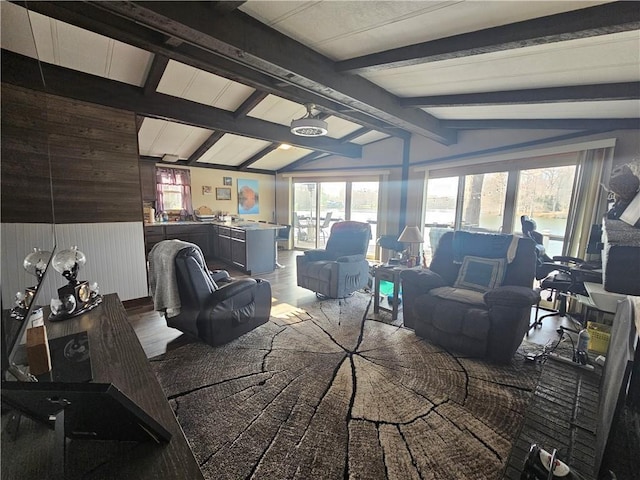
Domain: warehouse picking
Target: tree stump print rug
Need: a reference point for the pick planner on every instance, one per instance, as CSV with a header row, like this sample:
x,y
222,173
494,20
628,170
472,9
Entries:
x,y
324,392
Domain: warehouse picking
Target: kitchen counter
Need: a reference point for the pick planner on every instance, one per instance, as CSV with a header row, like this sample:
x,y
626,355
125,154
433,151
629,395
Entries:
x,y
241,225
247,246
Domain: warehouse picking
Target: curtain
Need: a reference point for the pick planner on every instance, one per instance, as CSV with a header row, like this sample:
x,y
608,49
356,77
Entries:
x,y
178,177
588,199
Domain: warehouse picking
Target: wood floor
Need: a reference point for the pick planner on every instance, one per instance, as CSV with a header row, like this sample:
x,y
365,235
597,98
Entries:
x,y
156,337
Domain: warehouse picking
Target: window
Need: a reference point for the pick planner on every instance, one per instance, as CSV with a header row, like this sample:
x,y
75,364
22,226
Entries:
x,y
492,197
544,194
483,201
173,190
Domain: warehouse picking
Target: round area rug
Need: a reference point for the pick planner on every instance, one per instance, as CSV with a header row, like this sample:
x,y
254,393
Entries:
x,y
323,392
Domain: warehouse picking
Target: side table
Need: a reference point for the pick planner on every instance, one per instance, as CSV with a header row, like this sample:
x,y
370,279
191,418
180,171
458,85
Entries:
x,y
390,273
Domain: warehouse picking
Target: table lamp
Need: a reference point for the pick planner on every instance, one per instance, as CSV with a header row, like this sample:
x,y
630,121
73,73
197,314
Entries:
x,y
411,235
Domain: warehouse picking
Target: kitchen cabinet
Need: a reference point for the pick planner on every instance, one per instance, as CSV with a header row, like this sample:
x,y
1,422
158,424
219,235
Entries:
x,y
148,181
250,249
198,234
224,244
238,248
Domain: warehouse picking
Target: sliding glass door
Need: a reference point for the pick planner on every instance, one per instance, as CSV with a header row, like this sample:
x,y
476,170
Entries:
x,y
364,208
318,205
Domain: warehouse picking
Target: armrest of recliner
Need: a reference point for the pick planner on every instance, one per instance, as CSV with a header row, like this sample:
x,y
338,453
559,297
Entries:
x,y
421,281
230,290
511,296
350,258
316,255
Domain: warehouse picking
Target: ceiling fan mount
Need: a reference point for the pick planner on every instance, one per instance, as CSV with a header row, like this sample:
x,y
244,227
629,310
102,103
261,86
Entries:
x,y
309,125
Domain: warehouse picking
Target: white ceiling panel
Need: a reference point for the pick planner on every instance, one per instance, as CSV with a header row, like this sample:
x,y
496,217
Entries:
x,y
278,110
62,44
157,137
279,158
232,150
372,136
339,127
15,30
607,58
613,109
184,81
347,29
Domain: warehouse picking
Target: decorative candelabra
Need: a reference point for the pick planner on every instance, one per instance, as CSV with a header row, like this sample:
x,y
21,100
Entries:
x,y
34,263
78,296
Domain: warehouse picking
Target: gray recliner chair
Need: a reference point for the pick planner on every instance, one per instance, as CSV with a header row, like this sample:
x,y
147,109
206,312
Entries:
x,y
447,304
341,268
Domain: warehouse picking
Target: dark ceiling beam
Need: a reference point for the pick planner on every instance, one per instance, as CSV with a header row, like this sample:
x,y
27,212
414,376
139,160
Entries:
x,y
308,158
224,7
551,124
253,159
246,41
139,120
154,76
355,134
588,22
91,17
250,103
578,93
206,145
20,70
216,166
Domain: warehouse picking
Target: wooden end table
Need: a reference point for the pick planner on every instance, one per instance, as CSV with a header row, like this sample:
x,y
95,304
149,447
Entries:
x,y
390,273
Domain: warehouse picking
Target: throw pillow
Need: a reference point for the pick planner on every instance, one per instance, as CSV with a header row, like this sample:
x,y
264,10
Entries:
x,y
481,274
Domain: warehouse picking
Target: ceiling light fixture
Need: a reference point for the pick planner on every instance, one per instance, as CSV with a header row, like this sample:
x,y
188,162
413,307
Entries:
x,y
284,146
309,125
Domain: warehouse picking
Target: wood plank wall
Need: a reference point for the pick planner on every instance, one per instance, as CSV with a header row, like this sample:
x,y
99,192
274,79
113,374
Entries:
x,y
94,160
24,170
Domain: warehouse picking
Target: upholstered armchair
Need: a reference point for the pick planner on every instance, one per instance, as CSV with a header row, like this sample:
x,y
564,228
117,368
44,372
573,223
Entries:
x,y
341,268
475,301
193,303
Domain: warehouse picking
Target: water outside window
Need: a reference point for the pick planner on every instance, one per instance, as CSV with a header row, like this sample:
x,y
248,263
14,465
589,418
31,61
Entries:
x,y
483,203
544,194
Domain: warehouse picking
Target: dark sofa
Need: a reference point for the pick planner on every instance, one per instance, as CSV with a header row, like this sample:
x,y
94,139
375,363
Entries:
x,y
488,324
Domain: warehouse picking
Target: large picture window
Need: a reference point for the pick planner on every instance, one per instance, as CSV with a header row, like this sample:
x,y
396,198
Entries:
x,y
493,200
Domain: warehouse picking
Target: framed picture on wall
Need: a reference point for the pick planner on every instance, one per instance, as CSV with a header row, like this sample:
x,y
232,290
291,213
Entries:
x,y
227,181
248,197
206,190
223,194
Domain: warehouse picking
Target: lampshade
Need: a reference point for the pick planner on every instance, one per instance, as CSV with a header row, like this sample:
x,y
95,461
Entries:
x,y
411,235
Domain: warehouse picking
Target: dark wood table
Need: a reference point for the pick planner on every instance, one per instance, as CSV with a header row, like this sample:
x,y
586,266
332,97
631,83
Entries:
x,y
390,273
116,357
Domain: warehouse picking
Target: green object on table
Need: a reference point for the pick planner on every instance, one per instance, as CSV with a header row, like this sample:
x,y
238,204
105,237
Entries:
x,y
386,288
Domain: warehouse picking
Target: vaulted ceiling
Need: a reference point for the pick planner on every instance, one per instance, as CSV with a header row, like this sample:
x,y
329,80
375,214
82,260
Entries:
x,y
216,84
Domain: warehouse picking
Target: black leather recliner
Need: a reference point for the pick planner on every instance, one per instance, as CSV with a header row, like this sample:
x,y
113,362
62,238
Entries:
x,y
217,314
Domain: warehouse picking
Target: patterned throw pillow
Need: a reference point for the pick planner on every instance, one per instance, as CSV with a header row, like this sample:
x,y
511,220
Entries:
x,y
481,274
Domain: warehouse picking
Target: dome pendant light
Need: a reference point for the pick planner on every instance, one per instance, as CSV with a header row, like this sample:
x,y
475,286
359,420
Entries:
x,y
309,126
